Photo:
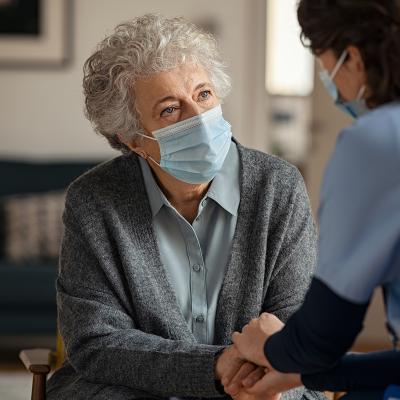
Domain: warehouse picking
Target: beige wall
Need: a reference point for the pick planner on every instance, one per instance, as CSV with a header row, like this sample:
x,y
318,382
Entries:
x,y
41,110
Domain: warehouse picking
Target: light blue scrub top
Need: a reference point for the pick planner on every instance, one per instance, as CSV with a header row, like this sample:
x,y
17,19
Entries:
x,y
359,215
195,255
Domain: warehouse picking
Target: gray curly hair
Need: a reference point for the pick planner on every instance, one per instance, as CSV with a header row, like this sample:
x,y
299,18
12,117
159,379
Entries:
x,y
145,45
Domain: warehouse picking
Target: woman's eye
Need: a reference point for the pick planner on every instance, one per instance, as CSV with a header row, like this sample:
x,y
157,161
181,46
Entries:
x,y
168,111
204,95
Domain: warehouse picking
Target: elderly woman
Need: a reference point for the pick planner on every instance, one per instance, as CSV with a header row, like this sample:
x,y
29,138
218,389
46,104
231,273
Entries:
x,y
174,245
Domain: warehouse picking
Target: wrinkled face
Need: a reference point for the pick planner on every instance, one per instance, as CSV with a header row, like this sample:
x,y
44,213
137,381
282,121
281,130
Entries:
x,y
174,95
168,97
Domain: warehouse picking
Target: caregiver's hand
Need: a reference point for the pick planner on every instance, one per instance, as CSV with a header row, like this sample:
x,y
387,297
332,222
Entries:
x,y
250,343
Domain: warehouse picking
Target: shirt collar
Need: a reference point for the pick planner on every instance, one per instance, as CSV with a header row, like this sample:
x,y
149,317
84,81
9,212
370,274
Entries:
x,y
156,197
224,189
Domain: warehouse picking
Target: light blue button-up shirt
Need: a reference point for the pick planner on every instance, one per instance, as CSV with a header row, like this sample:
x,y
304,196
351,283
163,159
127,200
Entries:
x,y
195,255
360,212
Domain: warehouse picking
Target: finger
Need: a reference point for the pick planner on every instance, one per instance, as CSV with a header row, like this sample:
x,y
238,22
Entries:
x,y
253,377
231,372
235,384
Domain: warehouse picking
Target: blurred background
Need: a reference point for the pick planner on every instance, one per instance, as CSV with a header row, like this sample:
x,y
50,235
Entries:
x,y
277,105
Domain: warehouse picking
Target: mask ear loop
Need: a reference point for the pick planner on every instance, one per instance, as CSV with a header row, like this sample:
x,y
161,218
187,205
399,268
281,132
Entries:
x,y
361,92
338,64
145,136
335,70
153,160
144,155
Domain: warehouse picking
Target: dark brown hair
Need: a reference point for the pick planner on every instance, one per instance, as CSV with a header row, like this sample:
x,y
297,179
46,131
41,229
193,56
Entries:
x,y
373,26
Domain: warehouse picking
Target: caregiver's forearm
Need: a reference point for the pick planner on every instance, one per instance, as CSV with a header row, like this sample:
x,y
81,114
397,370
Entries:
x,y
358,371
318,334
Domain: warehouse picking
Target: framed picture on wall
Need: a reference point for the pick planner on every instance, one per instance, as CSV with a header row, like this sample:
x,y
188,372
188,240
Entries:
x,y
34,32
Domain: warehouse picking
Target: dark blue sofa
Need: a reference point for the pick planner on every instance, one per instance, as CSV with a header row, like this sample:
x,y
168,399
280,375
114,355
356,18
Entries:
x,y
27,292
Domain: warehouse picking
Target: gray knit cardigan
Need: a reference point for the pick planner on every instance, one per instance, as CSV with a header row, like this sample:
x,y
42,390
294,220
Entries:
x,y
124,332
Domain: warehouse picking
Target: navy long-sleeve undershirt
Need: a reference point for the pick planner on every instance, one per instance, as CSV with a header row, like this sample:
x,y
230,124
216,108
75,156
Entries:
x,y
315,340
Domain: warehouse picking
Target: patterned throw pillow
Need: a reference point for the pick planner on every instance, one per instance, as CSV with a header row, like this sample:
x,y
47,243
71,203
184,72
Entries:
x,y
33,226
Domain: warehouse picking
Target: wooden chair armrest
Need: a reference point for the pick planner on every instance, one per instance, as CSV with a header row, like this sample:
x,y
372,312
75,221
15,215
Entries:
x,y
37,361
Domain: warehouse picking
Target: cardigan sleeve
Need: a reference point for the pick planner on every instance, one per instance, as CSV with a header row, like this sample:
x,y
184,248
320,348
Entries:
x,y
295,256
102,340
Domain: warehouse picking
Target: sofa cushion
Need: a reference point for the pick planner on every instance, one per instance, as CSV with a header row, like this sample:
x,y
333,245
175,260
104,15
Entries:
x,y
19,177
33,226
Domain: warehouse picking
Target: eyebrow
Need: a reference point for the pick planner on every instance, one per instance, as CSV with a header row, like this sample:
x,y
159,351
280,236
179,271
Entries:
x,y
199,86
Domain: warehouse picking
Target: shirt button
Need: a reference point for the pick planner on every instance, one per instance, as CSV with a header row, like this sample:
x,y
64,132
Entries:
x,y
203,203
200,318
196,268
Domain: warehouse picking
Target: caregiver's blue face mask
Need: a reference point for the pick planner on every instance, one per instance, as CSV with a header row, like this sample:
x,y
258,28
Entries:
x,y
355,108
193,150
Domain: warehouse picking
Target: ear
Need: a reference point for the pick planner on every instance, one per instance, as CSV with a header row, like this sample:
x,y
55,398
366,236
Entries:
x,y
133,146
355,62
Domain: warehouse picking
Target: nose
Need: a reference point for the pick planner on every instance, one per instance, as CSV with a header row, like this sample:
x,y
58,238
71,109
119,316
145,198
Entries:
x,y
190,109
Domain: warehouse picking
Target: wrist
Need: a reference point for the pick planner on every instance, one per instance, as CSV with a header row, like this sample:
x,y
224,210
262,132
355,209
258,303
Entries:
x,y
217,373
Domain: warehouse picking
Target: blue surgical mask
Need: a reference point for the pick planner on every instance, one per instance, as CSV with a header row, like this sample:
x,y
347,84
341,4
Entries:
x,y
355,108
193,150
